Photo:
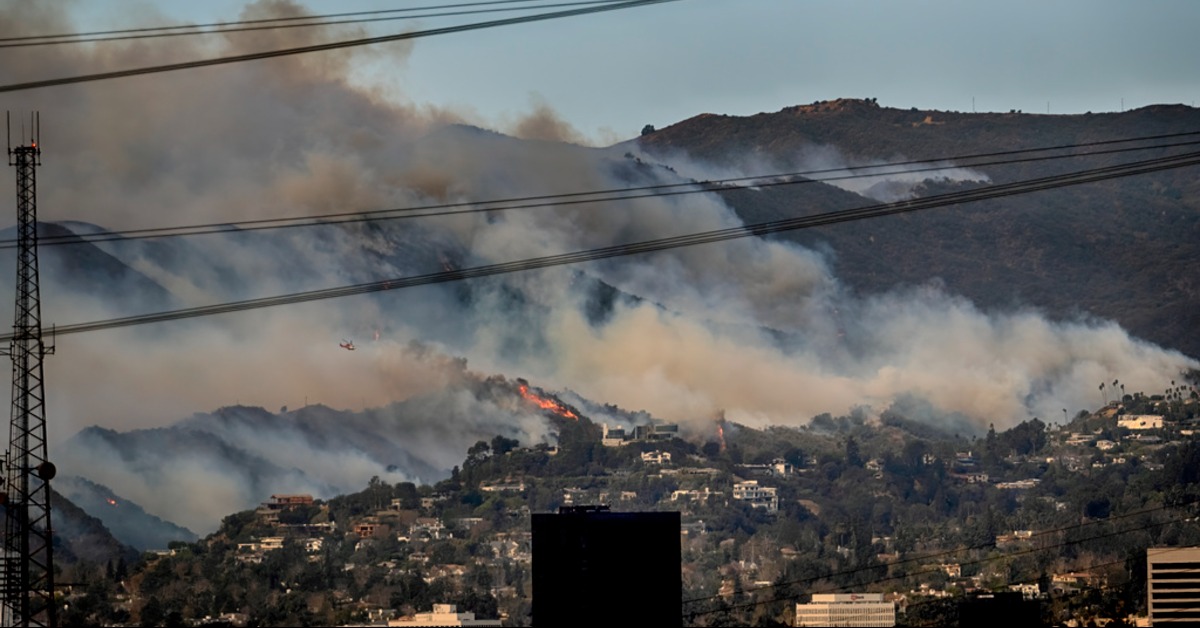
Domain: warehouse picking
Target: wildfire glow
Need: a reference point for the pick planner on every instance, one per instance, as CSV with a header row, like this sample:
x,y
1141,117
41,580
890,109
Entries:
x,y
721,435
111,502
546,404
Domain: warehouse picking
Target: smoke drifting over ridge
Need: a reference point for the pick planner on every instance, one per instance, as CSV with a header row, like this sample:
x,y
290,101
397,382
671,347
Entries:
x,y
699,332
233,458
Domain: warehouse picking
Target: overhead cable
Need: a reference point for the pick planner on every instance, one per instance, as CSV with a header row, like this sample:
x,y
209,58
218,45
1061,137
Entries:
x,y
605,196
978,561
649,246
275,24
336,45
942,554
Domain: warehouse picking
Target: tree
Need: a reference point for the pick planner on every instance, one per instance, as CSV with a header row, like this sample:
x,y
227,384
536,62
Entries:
x,y
648,129
298,514
794,456
478,452
853,457
1098,508
408,494
153,613
502,445
482,604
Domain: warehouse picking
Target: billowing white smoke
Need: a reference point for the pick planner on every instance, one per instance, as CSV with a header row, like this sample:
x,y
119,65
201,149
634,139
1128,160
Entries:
x,y
898,184
292,136
884,180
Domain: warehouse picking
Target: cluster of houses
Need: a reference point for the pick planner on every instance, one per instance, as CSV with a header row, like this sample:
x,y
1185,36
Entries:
x,y
309,535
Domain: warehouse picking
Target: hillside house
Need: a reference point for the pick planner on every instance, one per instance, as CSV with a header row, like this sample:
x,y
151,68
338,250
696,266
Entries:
x,y
662,431
625,496
288,502
777,468
509,485
612,437
1141,422
656,457
1081,438
443,615
701,495
427,528
757,496
1018,485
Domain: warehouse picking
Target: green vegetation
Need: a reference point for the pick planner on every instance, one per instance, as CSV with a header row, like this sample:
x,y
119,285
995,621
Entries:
x,y
869,504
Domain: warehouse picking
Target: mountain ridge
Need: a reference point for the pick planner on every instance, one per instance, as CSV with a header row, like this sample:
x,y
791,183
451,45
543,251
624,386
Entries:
x,y
1078,252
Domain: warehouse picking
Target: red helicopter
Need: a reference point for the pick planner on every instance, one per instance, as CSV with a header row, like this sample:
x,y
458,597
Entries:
x,y
347,344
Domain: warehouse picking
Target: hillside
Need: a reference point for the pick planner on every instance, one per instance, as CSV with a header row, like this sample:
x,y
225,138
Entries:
x,y
82,540
847,504
1119,250
128,521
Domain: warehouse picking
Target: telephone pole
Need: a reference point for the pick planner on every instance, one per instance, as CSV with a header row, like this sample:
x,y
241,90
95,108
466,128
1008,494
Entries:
x,y
28,566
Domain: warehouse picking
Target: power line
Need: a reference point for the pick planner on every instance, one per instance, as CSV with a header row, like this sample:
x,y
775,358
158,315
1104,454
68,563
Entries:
x,y
261,20
257,25
959,550
649,246
603,196
351,43
1110,563
979,561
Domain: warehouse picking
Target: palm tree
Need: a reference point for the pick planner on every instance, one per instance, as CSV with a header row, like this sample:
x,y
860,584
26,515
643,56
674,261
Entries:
x,y
1102,395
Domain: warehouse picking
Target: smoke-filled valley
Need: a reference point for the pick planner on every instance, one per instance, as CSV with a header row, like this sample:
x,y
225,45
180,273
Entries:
x,y
762,331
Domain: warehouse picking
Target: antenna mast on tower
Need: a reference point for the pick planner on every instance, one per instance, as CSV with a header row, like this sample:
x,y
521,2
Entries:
x,y
27,567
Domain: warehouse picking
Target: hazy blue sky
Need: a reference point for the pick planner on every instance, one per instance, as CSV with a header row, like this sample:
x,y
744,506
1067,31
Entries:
x,y
609,74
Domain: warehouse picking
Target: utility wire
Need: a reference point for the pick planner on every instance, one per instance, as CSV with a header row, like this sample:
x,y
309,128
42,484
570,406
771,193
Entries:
x,y
648,246
268,20
979,561
602,196
945,600
351,43
174,31
959,550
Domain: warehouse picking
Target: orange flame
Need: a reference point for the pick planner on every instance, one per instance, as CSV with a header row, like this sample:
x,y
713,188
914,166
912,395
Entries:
x,y
546,404
721,436
111,502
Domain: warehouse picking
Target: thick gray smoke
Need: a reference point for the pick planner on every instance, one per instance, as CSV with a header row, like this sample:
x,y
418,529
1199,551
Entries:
x,y
690,333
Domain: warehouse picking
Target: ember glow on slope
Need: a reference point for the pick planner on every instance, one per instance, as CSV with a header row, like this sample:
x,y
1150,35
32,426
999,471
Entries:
x,y
296,135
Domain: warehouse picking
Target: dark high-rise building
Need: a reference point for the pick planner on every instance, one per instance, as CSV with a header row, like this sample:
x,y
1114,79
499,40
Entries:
x,y
594,567
1002,609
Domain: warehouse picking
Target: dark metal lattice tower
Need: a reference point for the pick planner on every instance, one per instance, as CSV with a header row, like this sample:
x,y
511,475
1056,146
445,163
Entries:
x,y
28,567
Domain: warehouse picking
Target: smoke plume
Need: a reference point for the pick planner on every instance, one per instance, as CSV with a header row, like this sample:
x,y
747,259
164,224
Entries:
x,y
758,328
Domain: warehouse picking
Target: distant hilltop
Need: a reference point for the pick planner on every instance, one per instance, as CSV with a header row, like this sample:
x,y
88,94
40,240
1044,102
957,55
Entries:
x,y
1121,250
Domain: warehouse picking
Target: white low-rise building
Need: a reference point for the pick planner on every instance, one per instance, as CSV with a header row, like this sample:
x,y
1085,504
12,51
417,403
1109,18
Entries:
x,y
701,495
846,609
656,457
1141,422
443,615
613,437
757,496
